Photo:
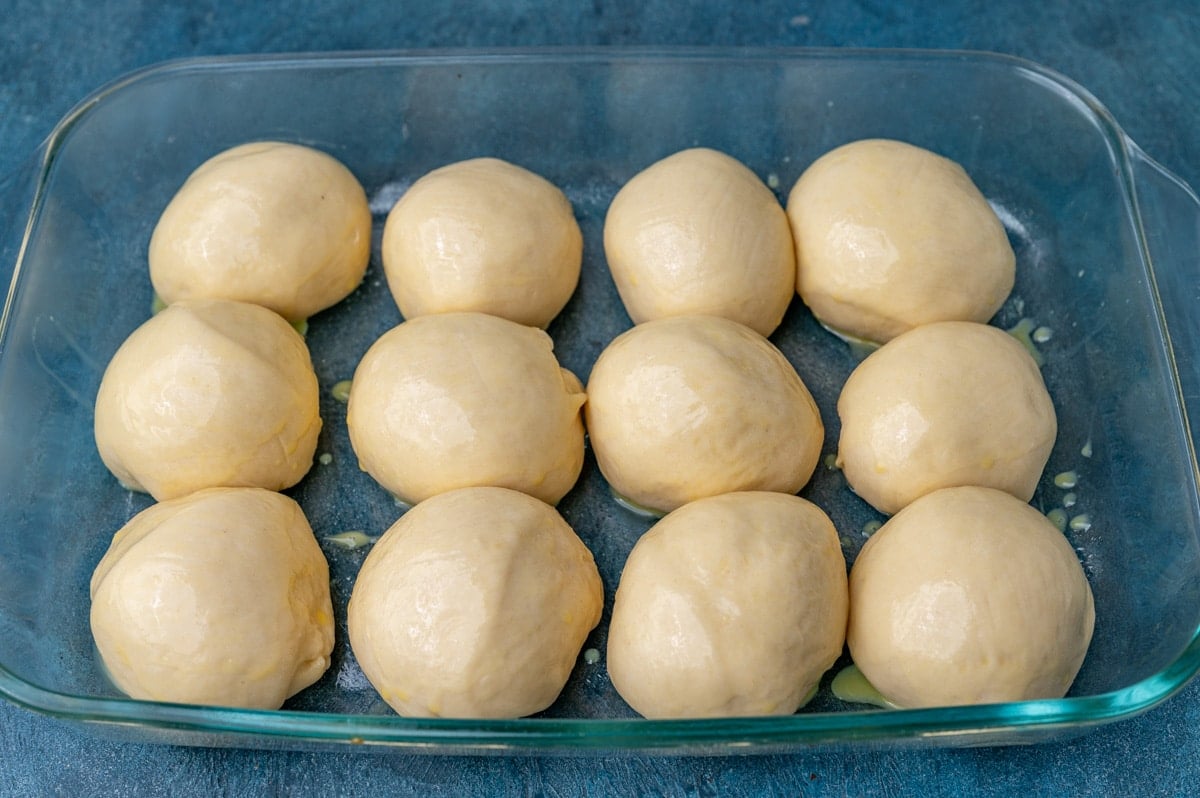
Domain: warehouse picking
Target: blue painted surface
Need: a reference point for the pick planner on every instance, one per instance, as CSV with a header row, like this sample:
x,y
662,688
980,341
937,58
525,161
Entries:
x,y
1141,60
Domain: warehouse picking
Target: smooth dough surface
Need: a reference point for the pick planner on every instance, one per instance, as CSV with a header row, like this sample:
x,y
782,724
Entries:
x,y
483,235
220,597
969,596
209,393
692,406
475,604
890,236
456,400
731,605
951,403
699,233
280,225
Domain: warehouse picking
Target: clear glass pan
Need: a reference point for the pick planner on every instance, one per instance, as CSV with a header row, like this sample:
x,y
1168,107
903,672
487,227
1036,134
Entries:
x,y
1108,248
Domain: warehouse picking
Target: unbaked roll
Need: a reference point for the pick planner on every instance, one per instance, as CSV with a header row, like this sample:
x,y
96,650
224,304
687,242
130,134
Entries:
x,y
692,406
475,604
220,597
456,400
699,233
969,596
730,605
209,393
890,236
483,235
280,225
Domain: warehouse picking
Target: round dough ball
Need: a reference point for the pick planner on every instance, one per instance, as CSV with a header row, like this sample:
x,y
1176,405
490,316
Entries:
x,y
890,236
969,596
731,605
474,605
483,235
280,225
457,400
692,406
209,393
699,233
220,597
951,403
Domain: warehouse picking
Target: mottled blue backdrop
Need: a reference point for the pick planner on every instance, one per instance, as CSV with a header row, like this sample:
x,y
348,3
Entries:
x,y
1142,60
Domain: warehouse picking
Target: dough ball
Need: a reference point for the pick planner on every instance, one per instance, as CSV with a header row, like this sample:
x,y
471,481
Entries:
x,y
483,235
699,233
951,403
279,225
474,605
890,236
209,393
692,406
731,605
457,400
220,597
969,596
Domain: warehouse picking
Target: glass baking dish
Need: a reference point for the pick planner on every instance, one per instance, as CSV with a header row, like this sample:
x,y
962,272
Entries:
x,y
1107,242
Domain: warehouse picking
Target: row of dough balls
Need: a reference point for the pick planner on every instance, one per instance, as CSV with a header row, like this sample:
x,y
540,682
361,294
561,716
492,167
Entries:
x,y
735,603
289,227
966,594
219,593
879,237
477,602
218,389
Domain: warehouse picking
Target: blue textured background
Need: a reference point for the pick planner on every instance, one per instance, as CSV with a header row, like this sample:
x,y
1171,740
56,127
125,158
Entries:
x,y
1142,60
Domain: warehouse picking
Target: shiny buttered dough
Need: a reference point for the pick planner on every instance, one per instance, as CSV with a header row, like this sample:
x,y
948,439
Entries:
x,y
455,400
692,406
731,605
209,393
220,597
699,233
483,235
890,236
475,604
280,225
969,596
946,404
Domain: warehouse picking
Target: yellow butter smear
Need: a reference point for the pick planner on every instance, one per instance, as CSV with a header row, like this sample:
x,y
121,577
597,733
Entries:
x,y
351,539
1027,332
341,391
852,687
634,507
